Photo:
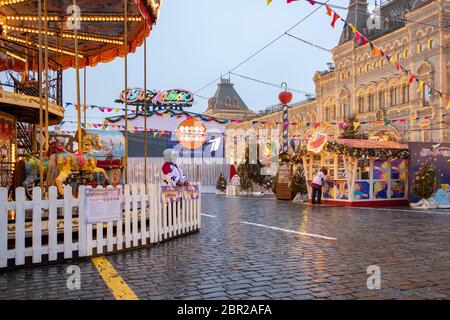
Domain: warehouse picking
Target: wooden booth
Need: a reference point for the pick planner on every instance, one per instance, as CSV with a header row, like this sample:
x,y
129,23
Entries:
x,y
360,172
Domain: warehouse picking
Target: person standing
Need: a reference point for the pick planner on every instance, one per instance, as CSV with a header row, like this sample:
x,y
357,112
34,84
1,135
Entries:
x,y
317,184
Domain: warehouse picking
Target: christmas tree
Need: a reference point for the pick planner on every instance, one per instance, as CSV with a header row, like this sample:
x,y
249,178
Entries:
x,y
221,183
250,173
425,182
298,183
352,131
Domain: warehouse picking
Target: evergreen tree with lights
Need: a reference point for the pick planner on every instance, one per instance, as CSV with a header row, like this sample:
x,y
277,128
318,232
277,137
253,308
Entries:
x,y
250,173
221,184
350,130
298,183
425,183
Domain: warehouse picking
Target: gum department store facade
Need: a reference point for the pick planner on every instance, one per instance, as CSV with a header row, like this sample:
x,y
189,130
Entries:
x,y
372,88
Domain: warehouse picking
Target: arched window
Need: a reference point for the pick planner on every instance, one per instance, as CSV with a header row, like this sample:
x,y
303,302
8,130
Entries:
x,y
426,95
425,128
405,53
419,48
430,44
371,101
361,107
381,98
405,93
235,102
392,96
326,115
227,102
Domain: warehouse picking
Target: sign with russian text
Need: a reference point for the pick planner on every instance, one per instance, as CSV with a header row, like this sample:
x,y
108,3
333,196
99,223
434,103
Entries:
x,y
103,205
170,194
167,98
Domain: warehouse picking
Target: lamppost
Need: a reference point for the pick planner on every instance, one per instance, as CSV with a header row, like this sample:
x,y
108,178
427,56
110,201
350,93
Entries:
x,y
285,98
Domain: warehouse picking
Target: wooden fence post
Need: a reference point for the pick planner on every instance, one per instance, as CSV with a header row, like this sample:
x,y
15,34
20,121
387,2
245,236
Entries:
x,y
20,226
67,222
82,230
37,225
52,223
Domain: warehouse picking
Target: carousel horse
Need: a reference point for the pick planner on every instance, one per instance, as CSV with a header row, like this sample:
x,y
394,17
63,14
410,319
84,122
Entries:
x,y
63,164
27,170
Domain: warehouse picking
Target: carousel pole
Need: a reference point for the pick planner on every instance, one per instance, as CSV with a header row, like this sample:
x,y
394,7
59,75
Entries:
x,y
126,86
84,93
41,118
145,113
77,73
46,75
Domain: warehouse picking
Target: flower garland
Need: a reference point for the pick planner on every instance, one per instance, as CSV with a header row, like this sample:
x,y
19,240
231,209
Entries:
x,y
363,153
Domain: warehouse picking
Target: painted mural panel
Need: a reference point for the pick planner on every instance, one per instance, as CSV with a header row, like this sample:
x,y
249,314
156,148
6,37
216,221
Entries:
x,y
362,190
341,189
380,170
329,190
398,189
380,190
398,171
437,155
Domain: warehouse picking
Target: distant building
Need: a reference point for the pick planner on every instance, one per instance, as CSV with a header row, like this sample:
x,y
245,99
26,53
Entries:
x,y
357,82
227,103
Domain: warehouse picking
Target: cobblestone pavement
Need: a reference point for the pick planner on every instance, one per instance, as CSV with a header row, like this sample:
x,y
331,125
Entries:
x,y
230,259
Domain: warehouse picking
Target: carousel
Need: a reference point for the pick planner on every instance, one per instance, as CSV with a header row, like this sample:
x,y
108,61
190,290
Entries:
x,y
360,172
39,40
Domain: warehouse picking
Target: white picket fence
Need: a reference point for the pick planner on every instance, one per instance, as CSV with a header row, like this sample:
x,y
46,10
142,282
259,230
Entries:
x,y
48,227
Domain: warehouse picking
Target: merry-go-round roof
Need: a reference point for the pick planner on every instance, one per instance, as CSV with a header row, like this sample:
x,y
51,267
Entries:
x,y
100,34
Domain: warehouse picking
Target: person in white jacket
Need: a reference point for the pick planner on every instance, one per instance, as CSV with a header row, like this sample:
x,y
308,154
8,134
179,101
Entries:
x,y
317,184
172,175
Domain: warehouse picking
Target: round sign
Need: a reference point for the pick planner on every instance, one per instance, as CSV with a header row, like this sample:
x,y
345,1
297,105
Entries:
x,y
191,134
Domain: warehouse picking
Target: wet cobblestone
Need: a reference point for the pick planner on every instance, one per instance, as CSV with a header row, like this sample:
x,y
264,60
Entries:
x,y
232,260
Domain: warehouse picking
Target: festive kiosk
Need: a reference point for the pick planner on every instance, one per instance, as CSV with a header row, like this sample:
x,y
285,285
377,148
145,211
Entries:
x,y
360,172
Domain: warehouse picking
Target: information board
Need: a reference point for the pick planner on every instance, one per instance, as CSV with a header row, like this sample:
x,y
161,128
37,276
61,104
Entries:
x,y
103,205
283,179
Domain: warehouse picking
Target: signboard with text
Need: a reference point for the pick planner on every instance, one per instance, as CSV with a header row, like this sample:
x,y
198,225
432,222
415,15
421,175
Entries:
x,y
103,205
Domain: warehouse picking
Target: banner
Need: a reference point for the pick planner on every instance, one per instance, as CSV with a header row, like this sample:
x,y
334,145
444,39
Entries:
x,y
437,154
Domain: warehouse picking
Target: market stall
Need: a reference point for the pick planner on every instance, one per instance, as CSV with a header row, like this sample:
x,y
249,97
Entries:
x,y
360,172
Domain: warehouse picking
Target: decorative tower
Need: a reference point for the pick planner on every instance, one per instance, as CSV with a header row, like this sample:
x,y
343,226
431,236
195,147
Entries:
x,y
227,103
357,15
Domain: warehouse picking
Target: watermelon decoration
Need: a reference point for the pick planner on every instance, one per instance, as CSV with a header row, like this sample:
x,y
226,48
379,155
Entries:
x,y
317,142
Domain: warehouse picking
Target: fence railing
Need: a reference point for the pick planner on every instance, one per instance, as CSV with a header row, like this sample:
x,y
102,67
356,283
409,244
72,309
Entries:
x,y
45,230
206,173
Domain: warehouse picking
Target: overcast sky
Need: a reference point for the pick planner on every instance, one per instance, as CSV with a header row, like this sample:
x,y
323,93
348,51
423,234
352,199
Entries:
x,y
195,41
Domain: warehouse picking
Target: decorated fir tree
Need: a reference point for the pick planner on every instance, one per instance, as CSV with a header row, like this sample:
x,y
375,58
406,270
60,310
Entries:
x,y
221,183
298,183
250,173
350,130
425,182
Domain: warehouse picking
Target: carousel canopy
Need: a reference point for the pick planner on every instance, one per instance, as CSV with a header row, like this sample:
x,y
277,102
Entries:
x,y
26,108
100,33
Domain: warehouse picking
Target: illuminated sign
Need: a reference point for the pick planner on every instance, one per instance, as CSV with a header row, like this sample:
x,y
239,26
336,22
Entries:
x,y
168,98
191,134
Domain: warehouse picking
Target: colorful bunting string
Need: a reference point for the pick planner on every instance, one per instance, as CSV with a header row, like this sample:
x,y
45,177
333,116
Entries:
x,y
361,39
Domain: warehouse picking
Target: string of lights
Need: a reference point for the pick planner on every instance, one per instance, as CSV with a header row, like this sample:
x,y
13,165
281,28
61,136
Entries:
x,y
263,48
